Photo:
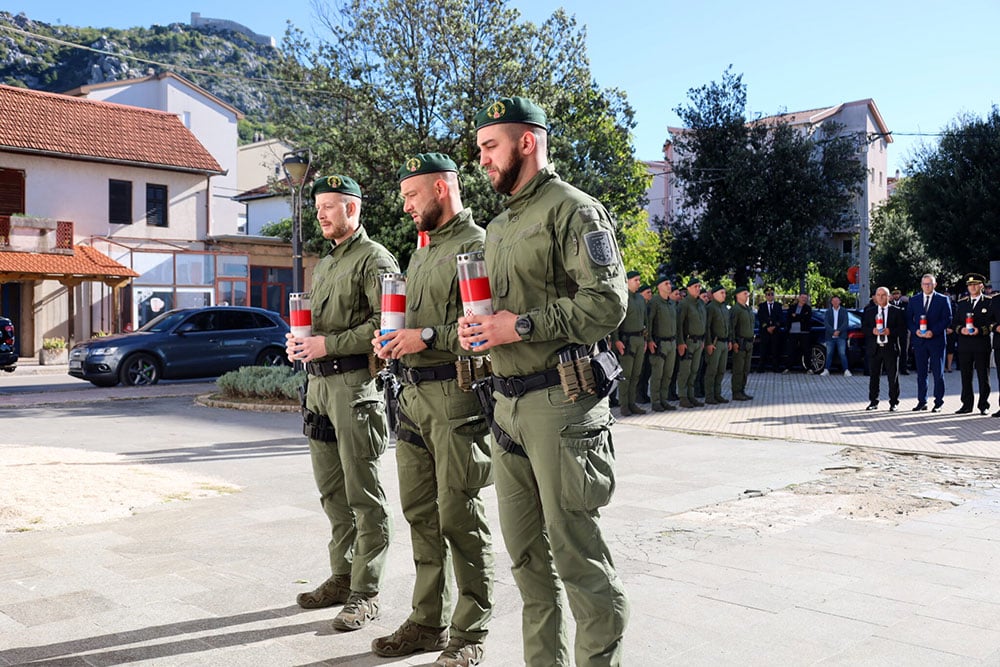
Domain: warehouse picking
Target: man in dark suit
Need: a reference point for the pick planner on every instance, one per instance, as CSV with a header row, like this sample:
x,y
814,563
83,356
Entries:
x,y
971,324
928,314
799,320
884,325
770,319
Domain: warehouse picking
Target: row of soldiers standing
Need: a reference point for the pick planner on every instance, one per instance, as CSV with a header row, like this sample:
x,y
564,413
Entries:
x,y
676,333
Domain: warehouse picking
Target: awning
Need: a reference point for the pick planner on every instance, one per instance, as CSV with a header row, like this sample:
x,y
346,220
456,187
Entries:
x,y
85,264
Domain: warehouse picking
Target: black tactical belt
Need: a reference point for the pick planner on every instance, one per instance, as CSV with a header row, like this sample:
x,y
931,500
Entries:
x,y
337,366
696,338
630,333
505,442
668,339
408,433
721,340
427,373
519,385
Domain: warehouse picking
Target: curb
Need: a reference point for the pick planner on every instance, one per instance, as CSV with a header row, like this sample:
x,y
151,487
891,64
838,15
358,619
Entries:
x,y
208,401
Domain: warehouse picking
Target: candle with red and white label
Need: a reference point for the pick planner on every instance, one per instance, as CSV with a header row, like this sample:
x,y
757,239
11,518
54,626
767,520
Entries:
x,y
393,302
474,285
969,324
300,314
879,323
923,324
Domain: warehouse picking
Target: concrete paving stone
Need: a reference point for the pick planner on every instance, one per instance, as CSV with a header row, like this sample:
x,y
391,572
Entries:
x,y
969,560
42,610
807,580
835,633
945,636
664,637
743,647
704,612
709,576
917,591
958,608
945,575
880,652
753,557
652,594
848,565
761,595
862,607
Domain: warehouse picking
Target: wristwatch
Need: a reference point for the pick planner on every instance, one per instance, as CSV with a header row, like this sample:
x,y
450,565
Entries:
x,y
429,336
523,326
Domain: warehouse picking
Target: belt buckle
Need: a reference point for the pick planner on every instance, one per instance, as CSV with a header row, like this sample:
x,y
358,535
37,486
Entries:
x,y
411,376
518,387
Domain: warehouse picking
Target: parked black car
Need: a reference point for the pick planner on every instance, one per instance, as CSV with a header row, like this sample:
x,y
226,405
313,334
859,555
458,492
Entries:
x,y
8,352
183,343
816,360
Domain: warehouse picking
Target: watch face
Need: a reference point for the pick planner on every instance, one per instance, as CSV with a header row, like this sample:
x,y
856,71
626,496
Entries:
x,y
522,325
427,335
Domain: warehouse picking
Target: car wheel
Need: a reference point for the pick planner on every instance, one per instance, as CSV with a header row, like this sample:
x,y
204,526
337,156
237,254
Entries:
x,y
139,369
103,383
273,356
817,359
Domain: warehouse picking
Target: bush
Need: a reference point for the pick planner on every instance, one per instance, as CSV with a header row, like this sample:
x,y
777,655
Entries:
x,y
265,382
55,343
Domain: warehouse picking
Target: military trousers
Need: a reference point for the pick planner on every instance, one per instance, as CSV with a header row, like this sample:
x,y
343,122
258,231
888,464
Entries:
x,y
689,365
346,473
741,369
631,361
441,472
549,504
662,363
974,359
715,370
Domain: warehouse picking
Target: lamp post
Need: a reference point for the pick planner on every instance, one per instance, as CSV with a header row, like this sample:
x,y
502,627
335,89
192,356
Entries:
x,y
296,166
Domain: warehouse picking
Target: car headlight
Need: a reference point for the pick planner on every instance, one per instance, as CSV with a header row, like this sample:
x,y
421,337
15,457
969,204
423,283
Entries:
x,y
102,351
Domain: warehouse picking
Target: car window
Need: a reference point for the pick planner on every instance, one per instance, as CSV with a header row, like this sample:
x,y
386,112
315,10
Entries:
x,y
164,322
203,321
262,321
237,319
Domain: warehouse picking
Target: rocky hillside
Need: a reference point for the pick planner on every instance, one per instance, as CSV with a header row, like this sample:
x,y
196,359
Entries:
x,y
114,54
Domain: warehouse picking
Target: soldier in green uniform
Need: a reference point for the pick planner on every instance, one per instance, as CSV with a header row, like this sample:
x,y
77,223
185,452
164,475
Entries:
x,y
717,346
630,343
691,329
558,283
741,324
345,450
662,345
442,451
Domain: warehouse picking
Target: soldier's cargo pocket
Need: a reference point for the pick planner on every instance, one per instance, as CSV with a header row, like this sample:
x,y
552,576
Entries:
x,y
469,462
587,467
368,429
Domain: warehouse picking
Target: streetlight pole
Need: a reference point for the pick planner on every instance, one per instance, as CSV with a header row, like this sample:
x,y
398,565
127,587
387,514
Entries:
x,y
296,166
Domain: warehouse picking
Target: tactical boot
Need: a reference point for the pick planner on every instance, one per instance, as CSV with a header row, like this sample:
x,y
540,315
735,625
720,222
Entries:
x,y
636,410
721,400
460,653
334,590
741,396
410,638
657,406
668,407
696,403
711,401
625,411
358,611
685,403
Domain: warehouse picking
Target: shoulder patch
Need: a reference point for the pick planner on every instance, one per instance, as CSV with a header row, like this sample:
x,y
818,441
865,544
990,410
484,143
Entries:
x,y
600,247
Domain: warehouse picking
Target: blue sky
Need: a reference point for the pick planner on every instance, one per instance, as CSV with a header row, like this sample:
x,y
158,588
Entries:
x,y
923,62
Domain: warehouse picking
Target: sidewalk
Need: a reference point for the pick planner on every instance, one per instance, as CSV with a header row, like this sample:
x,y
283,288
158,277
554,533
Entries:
x,y
213,582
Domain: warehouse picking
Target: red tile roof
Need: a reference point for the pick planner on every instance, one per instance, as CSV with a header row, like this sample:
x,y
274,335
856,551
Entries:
x,y
35,122
85,262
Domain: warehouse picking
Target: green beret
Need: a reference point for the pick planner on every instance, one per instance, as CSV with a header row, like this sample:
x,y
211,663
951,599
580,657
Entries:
x,y
343,184
426,163
631,274
693,282
663,279
643,288
718,288
512,110
741,288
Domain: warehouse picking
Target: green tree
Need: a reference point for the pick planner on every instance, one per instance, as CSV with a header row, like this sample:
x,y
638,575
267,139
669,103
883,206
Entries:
x,y
758,195
640,247
900,256
389,78
952,197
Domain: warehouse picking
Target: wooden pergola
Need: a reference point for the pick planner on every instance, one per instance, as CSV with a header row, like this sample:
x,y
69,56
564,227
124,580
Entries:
x,y
82,264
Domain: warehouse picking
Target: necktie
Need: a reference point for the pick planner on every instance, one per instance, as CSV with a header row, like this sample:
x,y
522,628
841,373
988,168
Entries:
x,y
927,302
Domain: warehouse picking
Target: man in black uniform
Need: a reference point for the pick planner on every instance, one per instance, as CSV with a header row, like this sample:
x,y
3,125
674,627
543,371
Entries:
x,y
995,325
971,323
899,301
